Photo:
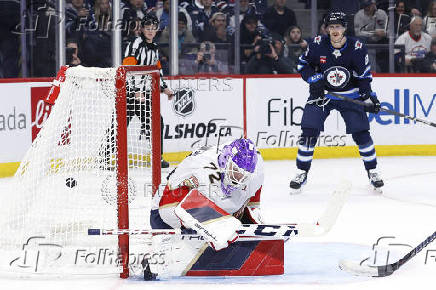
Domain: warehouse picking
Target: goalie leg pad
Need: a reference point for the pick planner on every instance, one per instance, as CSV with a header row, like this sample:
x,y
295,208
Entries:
x,y
247,258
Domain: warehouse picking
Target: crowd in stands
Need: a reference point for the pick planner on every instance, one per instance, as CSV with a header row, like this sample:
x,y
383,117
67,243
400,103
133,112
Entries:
x,y
271,39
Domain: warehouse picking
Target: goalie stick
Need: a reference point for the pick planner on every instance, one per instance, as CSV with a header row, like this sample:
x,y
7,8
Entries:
x,y
265,231
384,270
358,102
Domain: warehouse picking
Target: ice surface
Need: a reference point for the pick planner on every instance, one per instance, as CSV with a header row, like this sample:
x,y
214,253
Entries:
x,y
405,210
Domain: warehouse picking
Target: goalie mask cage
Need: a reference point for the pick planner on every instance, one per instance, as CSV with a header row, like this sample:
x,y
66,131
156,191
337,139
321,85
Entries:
x,y
87,168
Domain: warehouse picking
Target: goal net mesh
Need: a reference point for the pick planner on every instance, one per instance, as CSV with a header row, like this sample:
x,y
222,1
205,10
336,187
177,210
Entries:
x,y
67,182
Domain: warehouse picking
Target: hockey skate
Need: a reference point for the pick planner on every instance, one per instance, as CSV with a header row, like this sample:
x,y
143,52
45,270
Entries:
x,y
298,181
164,163
148,275
375,180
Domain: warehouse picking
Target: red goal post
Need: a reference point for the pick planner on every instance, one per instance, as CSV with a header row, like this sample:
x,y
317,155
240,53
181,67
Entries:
x,y
122,174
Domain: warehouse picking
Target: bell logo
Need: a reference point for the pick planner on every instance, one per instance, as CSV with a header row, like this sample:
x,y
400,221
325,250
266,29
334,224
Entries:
x,y
413,105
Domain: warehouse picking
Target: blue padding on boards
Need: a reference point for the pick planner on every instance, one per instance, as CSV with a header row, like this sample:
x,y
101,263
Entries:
x,y
231,258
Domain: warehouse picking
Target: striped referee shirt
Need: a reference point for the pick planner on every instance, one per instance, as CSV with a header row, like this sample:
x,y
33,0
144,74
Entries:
x,y
145,54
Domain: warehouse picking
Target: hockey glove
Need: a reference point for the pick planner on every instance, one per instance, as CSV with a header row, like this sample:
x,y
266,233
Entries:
x,y
316,86
372,104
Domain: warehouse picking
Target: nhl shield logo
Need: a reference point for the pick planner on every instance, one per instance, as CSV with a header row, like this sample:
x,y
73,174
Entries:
x,y
183,102
337,77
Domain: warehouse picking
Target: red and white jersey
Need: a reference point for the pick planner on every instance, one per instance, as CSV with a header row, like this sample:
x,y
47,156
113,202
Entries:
x,y
200,170
414,47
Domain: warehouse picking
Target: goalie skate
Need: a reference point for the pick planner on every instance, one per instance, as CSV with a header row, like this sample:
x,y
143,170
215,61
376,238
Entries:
x,y
299,180
375,180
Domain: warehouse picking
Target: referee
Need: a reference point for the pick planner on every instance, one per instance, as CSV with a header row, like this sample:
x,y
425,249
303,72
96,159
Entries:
x,y
143,51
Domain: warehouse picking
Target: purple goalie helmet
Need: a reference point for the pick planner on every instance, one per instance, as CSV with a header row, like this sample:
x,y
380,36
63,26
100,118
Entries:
x,y
237,162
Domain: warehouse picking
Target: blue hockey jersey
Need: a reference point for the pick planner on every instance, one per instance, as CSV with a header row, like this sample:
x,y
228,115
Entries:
x,y
346,71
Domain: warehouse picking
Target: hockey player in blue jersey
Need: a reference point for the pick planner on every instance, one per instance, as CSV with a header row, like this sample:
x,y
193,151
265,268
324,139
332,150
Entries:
x,y
339,64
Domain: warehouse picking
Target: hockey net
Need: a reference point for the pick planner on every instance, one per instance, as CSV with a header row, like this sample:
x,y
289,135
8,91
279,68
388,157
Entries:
x,y
94,164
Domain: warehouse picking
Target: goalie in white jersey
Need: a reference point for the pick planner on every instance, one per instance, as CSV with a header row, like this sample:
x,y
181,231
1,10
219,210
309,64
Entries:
x,y
212,191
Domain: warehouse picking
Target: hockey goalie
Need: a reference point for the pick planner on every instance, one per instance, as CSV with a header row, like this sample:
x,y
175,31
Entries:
x,y
212,192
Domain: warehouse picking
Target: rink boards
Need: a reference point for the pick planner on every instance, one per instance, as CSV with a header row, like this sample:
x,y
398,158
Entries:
x,y
267,109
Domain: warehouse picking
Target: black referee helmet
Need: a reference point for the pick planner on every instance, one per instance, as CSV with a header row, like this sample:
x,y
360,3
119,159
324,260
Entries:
x,y
150,19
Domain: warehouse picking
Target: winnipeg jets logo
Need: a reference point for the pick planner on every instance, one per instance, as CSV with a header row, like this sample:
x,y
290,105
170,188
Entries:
x,y
317,39
336,53
337,77
358,45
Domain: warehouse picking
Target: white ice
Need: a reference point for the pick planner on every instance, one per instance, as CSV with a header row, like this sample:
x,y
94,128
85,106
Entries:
x,y
405,210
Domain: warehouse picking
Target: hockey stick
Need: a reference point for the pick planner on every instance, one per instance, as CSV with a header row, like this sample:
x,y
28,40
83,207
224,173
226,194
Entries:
x,y
384,270
358,102
321,227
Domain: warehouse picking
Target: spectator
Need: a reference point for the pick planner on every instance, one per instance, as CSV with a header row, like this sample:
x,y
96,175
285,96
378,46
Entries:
x,y
430,19
134,10
97,44
245,9
418,7
9,41
370,23
279,47
78,18
428,63
206,59
42,59
201,16
102,14
249,34
261,6
322,30
72,53
295,45
349,7
266,60
216,32
415,41
401,19
163,14
278,17
151,4
184,35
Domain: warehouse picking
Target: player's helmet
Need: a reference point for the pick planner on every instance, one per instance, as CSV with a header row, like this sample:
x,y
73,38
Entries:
x,y
237,162
150,19
336,17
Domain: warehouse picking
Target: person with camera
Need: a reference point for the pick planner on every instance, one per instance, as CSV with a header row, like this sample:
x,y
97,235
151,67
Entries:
x,y
249,35
72,52
266,58
206,61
